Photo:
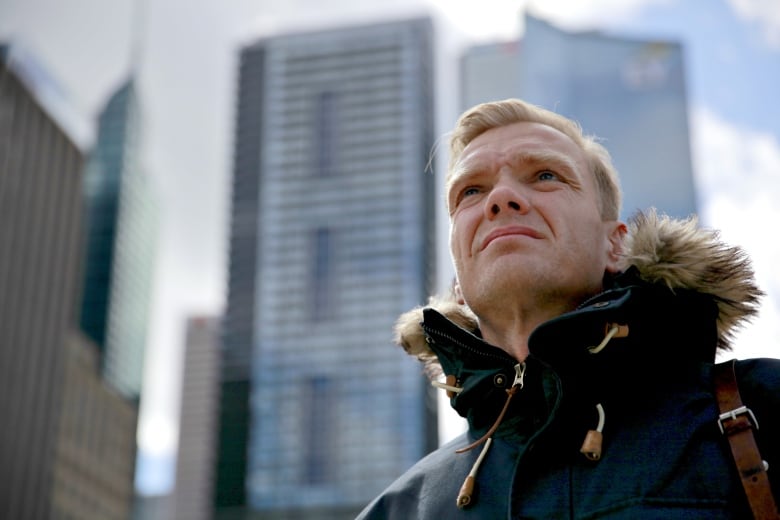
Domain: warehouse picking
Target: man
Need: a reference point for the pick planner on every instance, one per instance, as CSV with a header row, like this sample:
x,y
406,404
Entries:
x,y
579,349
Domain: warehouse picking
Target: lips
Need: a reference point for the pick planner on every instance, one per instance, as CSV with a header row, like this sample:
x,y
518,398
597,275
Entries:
x,y
509,231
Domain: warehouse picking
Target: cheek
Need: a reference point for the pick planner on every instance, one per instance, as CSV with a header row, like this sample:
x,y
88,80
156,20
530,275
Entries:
x,y
458,254
455,251
460,241
462,230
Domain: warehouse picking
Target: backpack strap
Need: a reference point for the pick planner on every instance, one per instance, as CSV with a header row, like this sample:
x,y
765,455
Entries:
x,y
736,422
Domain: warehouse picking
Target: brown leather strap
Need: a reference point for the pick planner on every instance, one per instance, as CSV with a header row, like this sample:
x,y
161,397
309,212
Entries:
x,y
737,422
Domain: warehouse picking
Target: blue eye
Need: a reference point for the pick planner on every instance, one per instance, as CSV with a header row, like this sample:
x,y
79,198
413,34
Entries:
x,y
470,191
547,175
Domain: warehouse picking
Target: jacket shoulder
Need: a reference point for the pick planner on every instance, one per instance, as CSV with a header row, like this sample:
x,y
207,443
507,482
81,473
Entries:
x,y
425,489
759,381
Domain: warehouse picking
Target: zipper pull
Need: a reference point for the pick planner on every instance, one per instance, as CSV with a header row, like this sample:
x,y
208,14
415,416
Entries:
x,y
519,375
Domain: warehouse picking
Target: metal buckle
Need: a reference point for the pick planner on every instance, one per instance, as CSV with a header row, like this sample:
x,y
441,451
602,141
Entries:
x,y
732,415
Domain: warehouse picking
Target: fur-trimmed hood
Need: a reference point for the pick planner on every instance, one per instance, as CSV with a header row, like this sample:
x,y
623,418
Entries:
x,y
677,254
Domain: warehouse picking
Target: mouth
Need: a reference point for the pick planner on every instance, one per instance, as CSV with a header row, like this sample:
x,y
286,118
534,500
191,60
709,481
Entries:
x,y
510,231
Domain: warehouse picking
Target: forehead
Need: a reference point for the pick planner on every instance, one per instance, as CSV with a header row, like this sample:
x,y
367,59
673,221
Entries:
x,y
519,141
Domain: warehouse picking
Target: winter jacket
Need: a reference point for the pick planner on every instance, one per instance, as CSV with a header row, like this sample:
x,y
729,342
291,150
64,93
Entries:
x,y
633,364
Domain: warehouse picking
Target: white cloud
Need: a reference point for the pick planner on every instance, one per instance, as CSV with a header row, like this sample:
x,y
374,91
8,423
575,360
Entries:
x,y
738,173
765,14
484,20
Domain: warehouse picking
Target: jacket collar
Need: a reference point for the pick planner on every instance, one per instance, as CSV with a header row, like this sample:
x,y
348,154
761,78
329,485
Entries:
x,y
654,320
681,273
655,325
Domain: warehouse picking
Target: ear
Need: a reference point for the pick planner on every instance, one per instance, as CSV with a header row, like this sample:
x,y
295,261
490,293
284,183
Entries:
x,y
616,233
456,292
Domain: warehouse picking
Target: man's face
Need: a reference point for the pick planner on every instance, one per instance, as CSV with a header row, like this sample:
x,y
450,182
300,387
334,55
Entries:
x,y
525,220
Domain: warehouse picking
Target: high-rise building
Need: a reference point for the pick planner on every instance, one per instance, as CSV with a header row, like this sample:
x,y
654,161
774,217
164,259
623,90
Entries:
x,y
194,490
331,239
67,448
629,92
121,233
239,322
94,460
41,165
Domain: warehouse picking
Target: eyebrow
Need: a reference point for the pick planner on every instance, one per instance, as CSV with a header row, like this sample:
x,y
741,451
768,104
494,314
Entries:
x,y
547,157
525,157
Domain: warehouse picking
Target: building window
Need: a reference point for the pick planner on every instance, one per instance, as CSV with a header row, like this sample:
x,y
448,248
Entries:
x,y
318,427
322,301
326,134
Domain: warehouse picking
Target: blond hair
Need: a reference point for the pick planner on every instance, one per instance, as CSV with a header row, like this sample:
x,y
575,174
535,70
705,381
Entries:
x,y
494,114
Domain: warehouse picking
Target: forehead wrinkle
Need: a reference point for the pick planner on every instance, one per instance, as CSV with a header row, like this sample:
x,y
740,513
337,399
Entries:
x,y
471,163
456,173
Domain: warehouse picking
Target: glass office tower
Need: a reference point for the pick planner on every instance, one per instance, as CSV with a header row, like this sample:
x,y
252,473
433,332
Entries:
x,y
121,228
331,239
629,92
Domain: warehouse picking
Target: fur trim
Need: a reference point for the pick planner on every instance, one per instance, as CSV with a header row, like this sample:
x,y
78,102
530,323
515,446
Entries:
x,y
676,253
682,255
409,334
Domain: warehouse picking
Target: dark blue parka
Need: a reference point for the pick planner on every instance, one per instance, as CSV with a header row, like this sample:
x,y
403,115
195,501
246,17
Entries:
x,y
634,362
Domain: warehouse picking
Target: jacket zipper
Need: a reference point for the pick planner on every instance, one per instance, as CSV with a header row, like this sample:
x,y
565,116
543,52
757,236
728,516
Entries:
x,y
504,359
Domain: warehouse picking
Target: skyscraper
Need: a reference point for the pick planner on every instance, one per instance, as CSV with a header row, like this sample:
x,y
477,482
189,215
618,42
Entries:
x,y
193,494
331,239
121,235
67,446
41,165
629,92
94,460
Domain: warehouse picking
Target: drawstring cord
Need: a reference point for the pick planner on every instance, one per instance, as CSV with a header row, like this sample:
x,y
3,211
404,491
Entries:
x,y
451,389
467,489
517,384
591,446
614,330
466,492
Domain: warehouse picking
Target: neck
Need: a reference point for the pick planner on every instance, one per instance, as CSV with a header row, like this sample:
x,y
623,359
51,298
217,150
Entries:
x,y
510,329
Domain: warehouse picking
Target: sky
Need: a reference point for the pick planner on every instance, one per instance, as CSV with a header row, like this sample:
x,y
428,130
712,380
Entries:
x,y
183,54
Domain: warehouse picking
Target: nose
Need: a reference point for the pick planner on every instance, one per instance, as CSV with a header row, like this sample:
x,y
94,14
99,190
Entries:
x,y
505,198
